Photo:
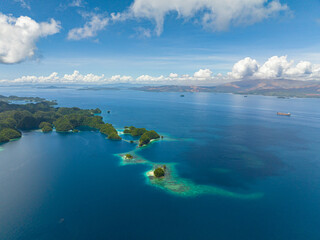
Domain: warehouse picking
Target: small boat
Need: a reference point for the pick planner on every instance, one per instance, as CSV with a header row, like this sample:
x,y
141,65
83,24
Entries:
x,y
283,114
181,95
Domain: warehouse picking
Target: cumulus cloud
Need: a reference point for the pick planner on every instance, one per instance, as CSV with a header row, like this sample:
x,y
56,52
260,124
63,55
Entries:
x,y
96,23
52,78
215,15
121,79
275,68
148,78
18,36
77,78
173,75
203,73
246,69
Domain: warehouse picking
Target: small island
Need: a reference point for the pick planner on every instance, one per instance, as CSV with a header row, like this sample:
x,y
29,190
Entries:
x,y
11,99
159,172
128,156
145,136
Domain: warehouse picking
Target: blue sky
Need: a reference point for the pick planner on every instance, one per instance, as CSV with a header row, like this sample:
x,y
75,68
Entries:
x,y
133,46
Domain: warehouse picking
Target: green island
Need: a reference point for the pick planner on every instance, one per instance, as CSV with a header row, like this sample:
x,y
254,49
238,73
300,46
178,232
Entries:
x,y
10,99
128,156
145,136
160,171
15,118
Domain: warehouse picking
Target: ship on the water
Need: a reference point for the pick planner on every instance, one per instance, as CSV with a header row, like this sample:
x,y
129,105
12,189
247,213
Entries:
x,y
284,114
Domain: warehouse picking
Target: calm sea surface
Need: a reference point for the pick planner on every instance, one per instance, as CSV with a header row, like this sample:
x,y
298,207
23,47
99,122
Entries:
x,y
71,186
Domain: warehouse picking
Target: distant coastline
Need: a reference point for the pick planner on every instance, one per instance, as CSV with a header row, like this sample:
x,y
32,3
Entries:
x,y
278,88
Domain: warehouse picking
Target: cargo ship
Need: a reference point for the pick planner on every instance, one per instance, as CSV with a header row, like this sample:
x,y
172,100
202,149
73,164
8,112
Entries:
x,y
284,114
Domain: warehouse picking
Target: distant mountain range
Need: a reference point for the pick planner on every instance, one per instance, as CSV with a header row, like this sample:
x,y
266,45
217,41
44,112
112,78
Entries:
x,y
280,88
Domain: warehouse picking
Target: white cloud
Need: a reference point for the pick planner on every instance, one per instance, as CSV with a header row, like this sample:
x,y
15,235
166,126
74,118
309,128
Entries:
x,y
216,15
173,75
247,69
96,23
275,68
52,78
76,77
18,36
77,3
121,79
203,73
148,78
23,4
244,68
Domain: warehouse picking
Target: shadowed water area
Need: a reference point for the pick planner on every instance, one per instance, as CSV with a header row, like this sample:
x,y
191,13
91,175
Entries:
x,y
237,170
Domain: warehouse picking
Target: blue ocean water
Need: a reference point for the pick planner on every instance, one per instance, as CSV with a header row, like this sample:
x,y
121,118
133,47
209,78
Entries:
x,y
71,186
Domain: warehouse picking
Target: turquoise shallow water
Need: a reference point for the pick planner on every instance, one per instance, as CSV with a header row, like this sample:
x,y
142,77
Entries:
x,y
73,186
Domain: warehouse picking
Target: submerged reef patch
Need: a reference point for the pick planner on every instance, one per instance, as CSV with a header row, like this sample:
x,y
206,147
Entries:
x,y
172,182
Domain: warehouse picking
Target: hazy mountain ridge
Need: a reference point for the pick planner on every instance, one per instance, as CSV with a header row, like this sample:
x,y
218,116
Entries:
x,y
281,88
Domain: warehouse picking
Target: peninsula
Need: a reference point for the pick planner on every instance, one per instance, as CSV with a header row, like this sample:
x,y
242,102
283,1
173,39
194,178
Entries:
x,y
15,118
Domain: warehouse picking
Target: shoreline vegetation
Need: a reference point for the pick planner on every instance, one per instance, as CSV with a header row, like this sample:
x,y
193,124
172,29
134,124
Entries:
x,y
40,114
11,99
15,118
145,136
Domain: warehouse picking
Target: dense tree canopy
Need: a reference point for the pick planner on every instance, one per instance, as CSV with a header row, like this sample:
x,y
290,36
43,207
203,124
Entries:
x,y
114,136
159,172
28,123
46,127
44,116
10,133
147,137
63,124
134,131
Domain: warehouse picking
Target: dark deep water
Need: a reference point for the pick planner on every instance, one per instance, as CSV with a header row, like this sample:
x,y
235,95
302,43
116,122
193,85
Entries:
x,y
70,186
